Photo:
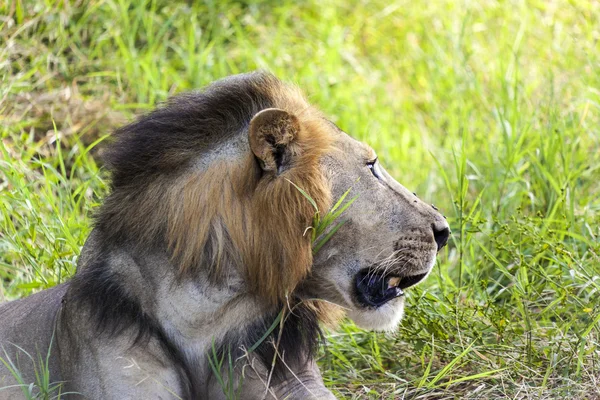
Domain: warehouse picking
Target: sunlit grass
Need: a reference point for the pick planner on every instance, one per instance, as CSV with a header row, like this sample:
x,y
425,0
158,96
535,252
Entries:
x,y
488,109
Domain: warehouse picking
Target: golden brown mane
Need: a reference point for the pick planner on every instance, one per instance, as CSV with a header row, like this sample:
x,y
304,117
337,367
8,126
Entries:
x,y
229,214
248,221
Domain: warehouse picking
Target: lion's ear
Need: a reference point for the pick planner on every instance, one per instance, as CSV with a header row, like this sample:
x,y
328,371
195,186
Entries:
x,y
271,134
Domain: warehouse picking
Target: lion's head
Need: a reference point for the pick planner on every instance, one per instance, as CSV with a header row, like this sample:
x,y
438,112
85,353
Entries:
x,y
211,178
387,245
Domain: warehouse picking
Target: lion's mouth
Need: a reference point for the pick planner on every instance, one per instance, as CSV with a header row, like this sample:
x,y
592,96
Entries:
x,y
374,289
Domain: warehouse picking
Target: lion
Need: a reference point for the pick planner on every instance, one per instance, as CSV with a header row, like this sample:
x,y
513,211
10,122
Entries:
x,y
202,253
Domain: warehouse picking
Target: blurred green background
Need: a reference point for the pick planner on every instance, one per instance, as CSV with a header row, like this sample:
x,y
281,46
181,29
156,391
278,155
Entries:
x,y
489,109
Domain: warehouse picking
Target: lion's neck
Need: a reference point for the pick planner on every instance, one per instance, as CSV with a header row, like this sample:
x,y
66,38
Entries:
x,y
192,312
196,314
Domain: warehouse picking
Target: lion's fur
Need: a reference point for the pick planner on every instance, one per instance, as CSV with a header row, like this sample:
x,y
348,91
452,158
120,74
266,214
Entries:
x,y
199,214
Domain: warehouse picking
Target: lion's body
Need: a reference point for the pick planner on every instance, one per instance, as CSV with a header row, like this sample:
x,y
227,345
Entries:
x,y
202,244
29,323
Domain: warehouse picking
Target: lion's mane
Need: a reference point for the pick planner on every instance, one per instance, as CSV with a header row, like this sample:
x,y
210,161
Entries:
x,y
184,180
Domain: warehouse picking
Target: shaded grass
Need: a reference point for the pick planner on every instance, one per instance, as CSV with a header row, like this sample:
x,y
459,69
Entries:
x,y
488,109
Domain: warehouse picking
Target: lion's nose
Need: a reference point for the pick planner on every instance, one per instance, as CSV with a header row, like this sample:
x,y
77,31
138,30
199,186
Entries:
x,y
441,232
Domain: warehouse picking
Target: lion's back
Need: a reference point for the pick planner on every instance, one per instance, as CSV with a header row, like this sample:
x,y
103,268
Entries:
x,y
25,334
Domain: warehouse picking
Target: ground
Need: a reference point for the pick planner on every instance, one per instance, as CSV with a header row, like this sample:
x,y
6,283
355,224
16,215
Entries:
x,y
488,109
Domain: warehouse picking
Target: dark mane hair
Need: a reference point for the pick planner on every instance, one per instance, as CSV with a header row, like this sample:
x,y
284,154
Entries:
x,y
189,124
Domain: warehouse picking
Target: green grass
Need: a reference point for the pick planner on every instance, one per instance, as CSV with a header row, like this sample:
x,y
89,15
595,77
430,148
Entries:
x,y
488,109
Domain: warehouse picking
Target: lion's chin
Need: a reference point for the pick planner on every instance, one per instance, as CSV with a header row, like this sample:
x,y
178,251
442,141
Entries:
x,y
384,318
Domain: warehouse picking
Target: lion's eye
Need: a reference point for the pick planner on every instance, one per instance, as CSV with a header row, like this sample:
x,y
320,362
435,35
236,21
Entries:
x,y
373,166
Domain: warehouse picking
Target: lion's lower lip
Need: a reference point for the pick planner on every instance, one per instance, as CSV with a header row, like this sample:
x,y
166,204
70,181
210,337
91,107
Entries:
x,y
374,289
